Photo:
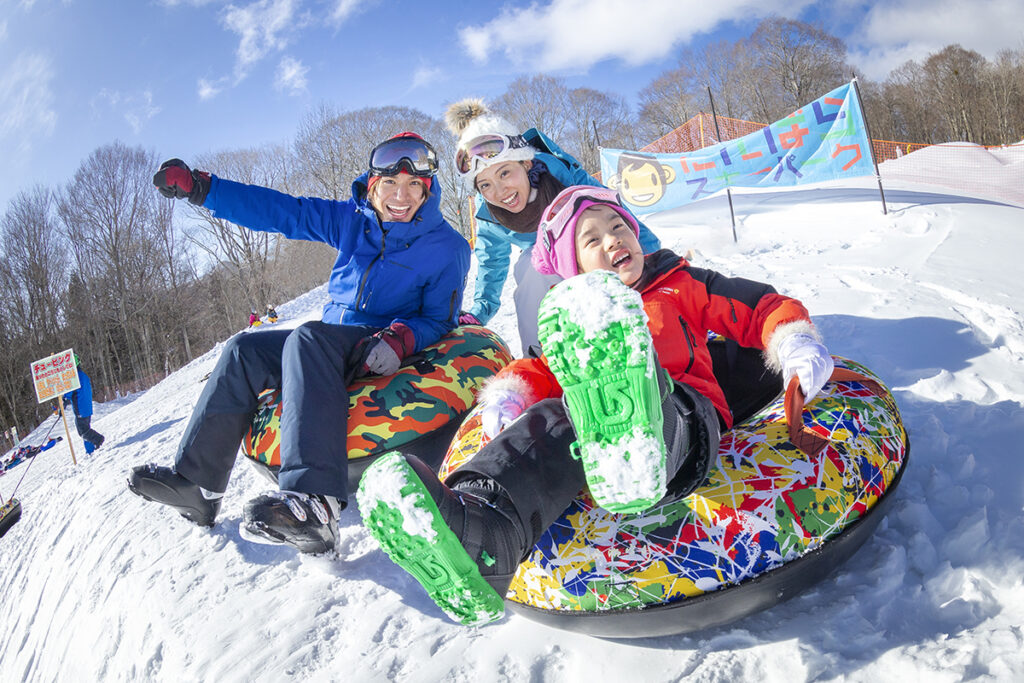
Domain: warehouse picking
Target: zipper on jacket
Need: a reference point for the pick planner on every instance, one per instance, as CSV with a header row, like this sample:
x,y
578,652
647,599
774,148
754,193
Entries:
x,y
451,305
366,274
732,307
689,342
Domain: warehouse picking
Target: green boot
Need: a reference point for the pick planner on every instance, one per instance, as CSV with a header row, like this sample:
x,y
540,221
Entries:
x,y
462,545
593,331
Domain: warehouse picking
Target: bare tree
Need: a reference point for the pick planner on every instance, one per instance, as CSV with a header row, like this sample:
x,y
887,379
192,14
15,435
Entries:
x,y
955,75
667,102
797,62
246,253
536,102
324,155
35,257
1003,93
596,119
108,214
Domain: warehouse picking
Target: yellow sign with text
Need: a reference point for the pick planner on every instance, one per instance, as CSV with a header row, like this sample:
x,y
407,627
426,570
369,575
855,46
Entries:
x,y
55,375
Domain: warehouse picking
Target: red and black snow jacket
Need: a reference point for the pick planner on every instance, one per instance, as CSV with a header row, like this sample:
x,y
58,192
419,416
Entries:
x,y
683,303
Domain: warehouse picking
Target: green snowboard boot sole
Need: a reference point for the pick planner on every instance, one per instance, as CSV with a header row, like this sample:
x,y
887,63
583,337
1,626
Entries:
x,y
399,512
594,334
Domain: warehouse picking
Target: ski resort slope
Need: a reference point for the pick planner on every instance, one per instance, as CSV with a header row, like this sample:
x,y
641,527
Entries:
x,y
99,585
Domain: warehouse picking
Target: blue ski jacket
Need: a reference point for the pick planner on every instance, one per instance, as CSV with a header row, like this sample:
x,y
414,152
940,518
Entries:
x,y
81,398
494,241
413,273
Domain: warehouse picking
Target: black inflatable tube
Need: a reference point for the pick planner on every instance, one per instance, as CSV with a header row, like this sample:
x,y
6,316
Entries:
x,y
726,604
11,517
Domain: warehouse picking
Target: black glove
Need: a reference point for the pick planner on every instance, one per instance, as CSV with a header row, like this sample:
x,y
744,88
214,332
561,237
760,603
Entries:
x,y
176,180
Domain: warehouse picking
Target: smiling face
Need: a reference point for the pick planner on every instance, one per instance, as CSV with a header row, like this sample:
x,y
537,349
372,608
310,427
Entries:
x,y
506,185
605,241
396,198
642,182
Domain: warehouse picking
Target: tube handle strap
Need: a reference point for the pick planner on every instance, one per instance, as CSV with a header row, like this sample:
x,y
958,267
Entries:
x,y
808,441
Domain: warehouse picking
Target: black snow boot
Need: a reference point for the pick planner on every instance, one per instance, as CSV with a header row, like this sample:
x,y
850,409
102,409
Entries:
x,y
463,545
165,486
306,522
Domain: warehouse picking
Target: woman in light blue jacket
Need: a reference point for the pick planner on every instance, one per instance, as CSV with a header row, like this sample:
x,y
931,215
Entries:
x,y
516,177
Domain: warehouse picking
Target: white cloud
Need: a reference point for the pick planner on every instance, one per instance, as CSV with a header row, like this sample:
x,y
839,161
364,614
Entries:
x,y
26,103
425,75
579,33
3,29
263,27
207,89
136,108
343,9
192,3
291,76
897,31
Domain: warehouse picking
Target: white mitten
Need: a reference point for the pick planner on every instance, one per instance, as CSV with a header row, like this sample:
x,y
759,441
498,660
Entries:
x,y
807,358
502,406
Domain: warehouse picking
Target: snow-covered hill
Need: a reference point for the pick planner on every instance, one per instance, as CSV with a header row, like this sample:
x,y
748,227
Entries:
x,y
99,585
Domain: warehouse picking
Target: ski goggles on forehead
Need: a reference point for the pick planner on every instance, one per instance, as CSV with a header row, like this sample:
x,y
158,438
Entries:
x,y
486,150
414,156
560,211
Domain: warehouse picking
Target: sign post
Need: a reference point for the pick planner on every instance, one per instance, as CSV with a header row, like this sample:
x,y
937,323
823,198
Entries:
x,y
53,377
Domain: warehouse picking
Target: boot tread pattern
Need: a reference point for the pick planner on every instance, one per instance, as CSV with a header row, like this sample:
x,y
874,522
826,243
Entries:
x,y
411,530
594,333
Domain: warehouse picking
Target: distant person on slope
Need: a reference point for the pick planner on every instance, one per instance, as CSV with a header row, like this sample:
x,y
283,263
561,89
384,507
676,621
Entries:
x,y
271,314
394,290
516,176
624,401
81,400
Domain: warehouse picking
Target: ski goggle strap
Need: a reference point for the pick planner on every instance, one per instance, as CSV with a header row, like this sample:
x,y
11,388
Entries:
x,y
560,211
413,155
486,150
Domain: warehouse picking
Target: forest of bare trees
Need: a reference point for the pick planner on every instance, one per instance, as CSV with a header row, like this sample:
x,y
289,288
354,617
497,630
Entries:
x,y
139,285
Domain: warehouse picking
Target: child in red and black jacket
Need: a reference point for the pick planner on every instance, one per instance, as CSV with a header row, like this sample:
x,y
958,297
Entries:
x,y
623,401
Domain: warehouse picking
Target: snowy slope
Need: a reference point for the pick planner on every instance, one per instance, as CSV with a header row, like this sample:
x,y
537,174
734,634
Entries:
x,y
100,585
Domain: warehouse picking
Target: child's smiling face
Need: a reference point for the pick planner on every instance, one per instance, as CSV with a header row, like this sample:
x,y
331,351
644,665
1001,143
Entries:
x,y
605,241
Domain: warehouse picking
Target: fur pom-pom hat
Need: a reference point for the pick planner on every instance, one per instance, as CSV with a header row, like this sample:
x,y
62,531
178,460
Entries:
x,y
470,119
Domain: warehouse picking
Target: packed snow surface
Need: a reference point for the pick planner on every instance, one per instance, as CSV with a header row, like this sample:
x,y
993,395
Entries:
x,y
101,585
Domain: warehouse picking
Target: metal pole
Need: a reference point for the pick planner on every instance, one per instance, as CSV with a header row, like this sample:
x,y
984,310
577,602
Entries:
x,y
728,190
871,150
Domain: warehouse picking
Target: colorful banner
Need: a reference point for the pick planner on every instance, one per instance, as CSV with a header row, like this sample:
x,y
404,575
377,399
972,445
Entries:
x,y
826,140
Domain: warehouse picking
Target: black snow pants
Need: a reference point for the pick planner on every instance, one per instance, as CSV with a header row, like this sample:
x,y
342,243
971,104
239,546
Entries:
x,y
313,366
747,384
85,430
531,459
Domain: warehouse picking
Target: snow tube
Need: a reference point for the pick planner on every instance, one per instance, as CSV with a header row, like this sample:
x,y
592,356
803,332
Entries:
x,y
10,513
770,520
417,409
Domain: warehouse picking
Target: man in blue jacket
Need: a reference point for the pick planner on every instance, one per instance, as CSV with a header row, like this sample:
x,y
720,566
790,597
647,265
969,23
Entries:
x,y
395,288
81,400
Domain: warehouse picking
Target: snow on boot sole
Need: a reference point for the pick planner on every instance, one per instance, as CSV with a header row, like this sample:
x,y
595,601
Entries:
x,y
593,330
400,513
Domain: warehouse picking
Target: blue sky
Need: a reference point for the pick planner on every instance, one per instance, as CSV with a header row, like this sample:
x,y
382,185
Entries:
x,y
182,77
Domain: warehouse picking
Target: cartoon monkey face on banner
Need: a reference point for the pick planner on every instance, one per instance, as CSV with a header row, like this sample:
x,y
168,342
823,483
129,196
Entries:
x,y
640,179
